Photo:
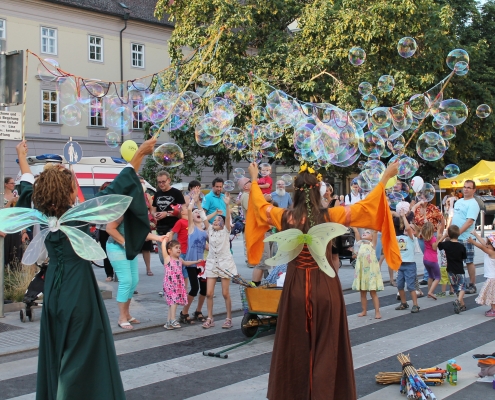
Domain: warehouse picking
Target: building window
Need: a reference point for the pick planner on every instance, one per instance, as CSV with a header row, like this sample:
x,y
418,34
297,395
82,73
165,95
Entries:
x,y
137,55
96,112
3,29
137,114
49,100
48,40
95,48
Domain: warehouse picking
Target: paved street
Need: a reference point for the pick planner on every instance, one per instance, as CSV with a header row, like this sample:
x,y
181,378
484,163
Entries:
x,y
158,364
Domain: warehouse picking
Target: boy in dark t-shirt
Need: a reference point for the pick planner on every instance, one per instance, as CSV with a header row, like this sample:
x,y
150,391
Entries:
x,y
455,253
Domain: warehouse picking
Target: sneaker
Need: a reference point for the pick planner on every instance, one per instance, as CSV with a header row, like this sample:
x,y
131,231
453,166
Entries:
x,y
415,309
457,306
490,313
441,294
451,294
423,282
471,289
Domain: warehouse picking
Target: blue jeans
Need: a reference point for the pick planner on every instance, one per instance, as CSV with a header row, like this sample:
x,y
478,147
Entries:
x,y
126,270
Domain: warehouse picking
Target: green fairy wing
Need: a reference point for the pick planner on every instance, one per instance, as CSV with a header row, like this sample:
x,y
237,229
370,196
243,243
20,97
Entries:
x,y
15,219
99,210
319,236
289,246
84,246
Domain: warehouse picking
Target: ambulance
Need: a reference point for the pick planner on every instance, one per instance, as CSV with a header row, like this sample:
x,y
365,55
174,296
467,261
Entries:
x,y
91,172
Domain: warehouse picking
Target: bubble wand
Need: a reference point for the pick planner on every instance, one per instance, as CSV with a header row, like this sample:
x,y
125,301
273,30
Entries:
x,y
192,77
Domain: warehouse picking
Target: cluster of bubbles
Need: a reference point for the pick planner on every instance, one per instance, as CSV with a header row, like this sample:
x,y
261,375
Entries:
x,y
323,134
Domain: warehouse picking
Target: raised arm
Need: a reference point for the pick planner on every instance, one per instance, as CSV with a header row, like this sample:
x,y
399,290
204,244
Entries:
x,y
226,199
408,230
143,150
357,236
22,151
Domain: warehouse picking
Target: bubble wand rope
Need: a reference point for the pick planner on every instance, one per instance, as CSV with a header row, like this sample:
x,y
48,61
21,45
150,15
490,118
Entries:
x,y
24,100
429,108
192,77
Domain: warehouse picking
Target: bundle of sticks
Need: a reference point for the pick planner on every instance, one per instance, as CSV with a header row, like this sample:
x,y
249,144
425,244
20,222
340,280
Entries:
x,y
225,273
414,383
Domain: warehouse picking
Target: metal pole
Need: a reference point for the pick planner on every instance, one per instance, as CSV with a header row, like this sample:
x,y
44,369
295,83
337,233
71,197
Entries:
x,y
3,78
126,17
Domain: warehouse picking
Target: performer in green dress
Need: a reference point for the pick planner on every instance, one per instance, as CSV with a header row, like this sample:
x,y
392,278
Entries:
x,y
77,358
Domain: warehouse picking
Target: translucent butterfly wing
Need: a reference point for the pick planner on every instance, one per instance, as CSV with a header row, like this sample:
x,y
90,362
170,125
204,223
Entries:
x,y
36,248
99,210
16,219
289,246
84,246
320,236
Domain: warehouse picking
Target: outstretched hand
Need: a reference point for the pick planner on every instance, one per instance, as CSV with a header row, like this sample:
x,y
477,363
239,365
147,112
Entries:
x,y
148,146
22,149
253,171
226,198
390,172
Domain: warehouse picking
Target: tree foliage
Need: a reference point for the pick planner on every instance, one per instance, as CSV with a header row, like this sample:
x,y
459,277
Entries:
x,y
256,39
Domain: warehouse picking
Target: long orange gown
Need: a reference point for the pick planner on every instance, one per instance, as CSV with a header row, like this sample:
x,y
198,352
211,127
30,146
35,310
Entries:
x,y
312,357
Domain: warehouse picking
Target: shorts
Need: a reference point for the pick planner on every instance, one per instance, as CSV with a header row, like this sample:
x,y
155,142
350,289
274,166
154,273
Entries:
x,y
406,275
469,251
147,246
458,282
184,268
444,276
433,269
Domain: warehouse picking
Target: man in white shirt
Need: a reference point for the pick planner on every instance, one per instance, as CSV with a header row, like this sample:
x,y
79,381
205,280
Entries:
x,y
282,198
354,196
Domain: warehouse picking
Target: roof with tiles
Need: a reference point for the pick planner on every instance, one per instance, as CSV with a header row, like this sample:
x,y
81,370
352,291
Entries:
x,y
141,10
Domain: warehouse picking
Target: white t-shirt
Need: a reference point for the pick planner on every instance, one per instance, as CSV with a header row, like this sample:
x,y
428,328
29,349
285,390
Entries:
x,y
353,198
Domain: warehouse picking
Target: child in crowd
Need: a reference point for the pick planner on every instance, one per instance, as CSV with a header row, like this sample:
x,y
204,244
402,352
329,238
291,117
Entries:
x,y
174,290
197,244
407,271
219,263
180,229
367,275
487,293
430,257
455,253
265,182
444,276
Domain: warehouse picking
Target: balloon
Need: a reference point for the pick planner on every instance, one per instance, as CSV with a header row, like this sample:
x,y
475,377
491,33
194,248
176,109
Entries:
x,y
127,150
391,182
417,183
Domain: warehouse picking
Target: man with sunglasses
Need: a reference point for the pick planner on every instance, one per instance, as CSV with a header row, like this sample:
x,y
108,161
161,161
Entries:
x,y
164,208
466,212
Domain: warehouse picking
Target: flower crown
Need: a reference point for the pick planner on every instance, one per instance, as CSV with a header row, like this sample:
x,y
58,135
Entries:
x,y
305,168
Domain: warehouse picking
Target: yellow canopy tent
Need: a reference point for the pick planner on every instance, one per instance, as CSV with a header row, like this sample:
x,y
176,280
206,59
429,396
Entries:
x,y
483,174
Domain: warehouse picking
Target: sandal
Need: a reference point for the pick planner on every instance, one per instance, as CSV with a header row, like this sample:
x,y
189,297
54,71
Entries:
x,y
175,324
149,273
134,321
209,323
198,315
402,306
126,325
415,309
227,324
184,318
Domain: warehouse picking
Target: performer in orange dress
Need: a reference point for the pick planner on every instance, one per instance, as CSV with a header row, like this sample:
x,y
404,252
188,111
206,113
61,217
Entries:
x,y
312,356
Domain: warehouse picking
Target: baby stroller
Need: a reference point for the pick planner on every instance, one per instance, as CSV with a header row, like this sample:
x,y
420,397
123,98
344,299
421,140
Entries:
x,y
33,292
344,245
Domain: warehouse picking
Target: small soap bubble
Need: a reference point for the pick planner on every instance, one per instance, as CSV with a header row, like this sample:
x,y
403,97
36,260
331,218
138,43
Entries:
x,y
369,102
451,171
426,194
112,139
386,83
483,111
204,83
287,179
48,70
71,115
447,132
407,47
239,173
228,186
430,146
357,56
365,88
456,56
168,155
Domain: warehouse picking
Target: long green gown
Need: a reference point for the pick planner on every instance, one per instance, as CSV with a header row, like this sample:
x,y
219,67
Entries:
x,y
77,358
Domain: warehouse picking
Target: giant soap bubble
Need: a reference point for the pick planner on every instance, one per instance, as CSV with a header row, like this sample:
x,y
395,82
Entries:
x,y
168,155
357,56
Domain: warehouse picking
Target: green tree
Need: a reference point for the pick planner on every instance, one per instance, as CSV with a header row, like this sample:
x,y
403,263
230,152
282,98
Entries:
x,y
327,30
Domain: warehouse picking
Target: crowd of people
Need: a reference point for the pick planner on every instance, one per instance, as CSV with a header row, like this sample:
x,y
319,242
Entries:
x,y
194,234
